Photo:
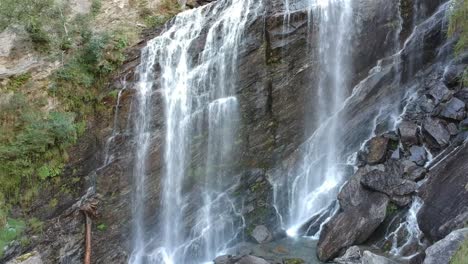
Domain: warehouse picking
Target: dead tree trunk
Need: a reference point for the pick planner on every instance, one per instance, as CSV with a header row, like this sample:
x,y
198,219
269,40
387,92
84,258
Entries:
x,y
89,211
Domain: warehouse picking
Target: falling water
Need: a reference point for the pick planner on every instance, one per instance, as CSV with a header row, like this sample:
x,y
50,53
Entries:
x,y
315,184
198,90
410,228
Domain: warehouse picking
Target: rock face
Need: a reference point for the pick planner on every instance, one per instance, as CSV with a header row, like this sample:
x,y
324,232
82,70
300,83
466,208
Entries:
x,y
29,258
352,256
443,250
445,196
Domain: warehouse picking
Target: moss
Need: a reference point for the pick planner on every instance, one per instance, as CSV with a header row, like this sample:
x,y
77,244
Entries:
x,y
102,227
458,25
391,208
294,261
461,256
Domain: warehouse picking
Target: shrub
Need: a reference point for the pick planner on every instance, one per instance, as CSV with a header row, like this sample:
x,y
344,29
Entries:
x,y
458,24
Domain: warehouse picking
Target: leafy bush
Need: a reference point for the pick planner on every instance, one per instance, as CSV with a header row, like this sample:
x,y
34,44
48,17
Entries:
x,y
461,255
11,231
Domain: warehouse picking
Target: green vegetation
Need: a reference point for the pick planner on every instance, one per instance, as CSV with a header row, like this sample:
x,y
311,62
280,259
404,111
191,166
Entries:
x,y
461,255
391,208
9,232
166,10
459,24
102,227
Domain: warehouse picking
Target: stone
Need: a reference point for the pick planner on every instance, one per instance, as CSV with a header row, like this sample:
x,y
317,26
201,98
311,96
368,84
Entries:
x,y
293,261
261,234
445,196
377,150
418,155
352,255
439,93
453,109
251,260
464,125
462,95
388,183
435,133
29,258
362,209
225,259
371,258
443,250
413,172
452,128
408,131
452,75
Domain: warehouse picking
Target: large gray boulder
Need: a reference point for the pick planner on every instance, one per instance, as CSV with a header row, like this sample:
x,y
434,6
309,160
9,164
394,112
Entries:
x,y
439,93
261,234
453,109
443,250
445,195
408,131
371,258
361,209
390,182
436,133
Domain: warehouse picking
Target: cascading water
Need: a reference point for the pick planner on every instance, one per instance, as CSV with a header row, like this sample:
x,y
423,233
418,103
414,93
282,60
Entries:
x,y
314,185
198,89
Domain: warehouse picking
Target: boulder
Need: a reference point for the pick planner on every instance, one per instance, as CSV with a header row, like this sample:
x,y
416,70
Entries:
x,y
452,75
418,155
445,195
453,129
352,255
251,260
362,209
390,182
248,259
453,109
371,258
376,150
464,125
443,250
439,93
435,133
261,234
413,172
462,95
408,131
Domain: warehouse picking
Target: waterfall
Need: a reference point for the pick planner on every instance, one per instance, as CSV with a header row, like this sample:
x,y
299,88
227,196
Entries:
x,y
313,186
200,105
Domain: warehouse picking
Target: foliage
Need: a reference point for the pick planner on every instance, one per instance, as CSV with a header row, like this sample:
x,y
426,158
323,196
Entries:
x,y
102,227
11,231
458,24
166,10
461,255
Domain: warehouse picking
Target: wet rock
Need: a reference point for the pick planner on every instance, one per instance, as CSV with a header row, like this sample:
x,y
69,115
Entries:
x,y
442,251
435,133
251,260
462,95
312,226
408,131
445,195
439,93
376,150
413,172
371,258
464,125
390,182
226,259
352,255
453,109
261,234
362,209
452,128
418,155
29,258
452,75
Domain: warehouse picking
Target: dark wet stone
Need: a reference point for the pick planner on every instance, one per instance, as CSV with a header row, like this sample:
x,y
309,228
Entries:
x,y
439,93
418,155
453,109
408,131
435,133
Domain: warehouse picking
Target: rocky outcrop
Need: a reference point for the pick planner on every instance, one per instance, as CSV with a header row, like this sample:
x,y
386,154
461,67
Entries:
x,y
443,250
445,195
